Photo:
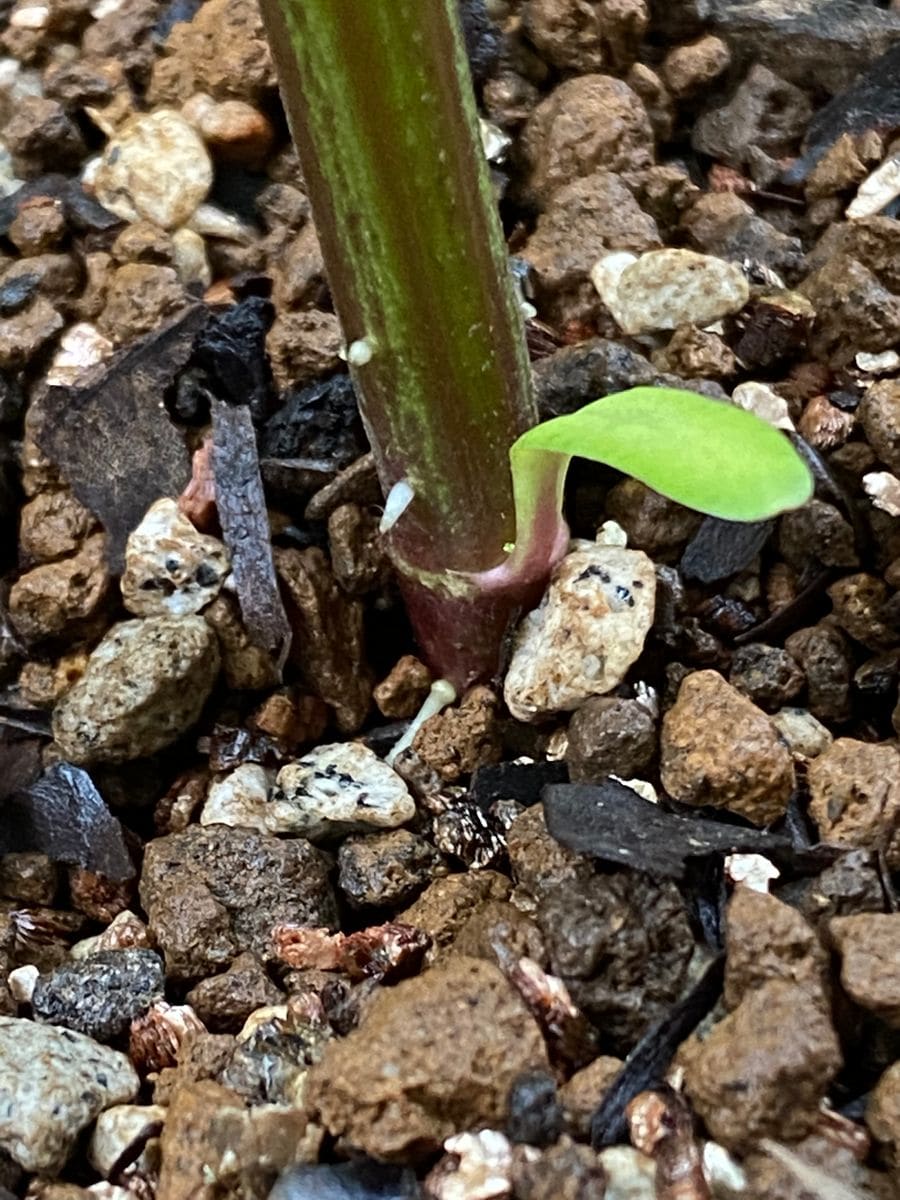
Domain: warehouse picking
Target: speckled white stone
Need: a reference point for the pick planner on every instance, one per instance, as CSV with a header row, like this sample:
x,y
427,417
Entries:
x,y
170,568
241,799
156,167
883,489
804,734
667,288
53,1083
588,630
764,402
117,1129
341,788
877,191
145,684
630,1175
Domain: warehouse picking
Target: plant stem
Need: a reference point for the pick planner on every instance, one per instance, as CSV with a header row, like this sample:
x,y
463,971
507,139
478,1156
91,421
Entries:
x,y
380,105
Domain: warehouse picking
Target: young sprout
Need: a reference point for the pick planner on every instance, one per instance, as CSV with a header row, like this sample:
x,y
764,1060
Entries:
x,y
703,453
382,111
706,454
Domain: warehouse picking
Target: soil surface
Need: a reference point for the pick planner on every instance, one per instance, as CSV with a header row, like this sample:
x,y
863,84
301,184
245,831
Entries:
x,y
623,921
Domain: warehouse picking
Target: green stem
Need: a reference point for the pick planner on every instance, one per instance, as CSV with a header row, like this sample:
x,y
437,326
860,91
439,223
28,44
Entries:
x,y
380,105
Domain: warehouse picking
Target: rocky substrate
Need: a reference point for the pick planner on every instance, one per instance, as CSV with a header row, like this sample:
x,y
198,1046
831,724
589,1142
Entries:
x,y
622,923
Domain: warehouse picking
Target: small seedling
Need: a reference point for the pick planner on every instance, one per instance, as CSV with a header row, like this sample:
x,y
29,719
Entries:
x,y
380,104
703,453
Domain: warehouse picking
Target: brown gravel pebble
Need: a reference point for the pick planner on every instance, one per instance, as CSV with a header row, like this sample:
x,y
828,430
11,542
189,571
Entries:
x,y
38,226
654,524
358,557
446,904
762,1070
385,868
817,533
303,346
589,123
839,169
140,297
29,877
247,667
328,635
854,311
621,944
879,412
52,525
66,597
401,693
859,603
537,860
766,940
499,932
851,885
873,241
458,740
720,749
291,717
234,131
574,38
210,1131
695,353
25,333
689,68
855,789
224,1002
123,35
581,1095
609,736
565,1171
767,675
837,1167
765,113
869,946
144,242
656,98
585,220
298,269
213,893
56,278
883,1115
824,655
99,898
423,1066
221,50
42,684
41,137
200,1055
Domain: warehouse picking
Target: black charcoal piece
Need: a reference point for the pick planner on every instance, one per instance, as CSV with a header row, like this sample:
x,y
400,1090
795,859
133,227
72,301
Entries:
x,y
245,528
522,782
117,421
611,822
63,816
231,350
720,549
871,102
320,422
360,1180
648,1062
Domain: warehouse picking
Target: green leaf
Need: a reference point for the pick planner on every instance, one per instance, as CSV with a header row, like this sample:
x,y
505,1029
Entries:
x,y
706,454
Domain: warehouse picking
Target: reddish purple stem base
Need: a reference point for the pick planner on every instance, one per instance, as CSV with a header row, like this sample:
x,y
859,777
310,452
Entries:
x,y
463,637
